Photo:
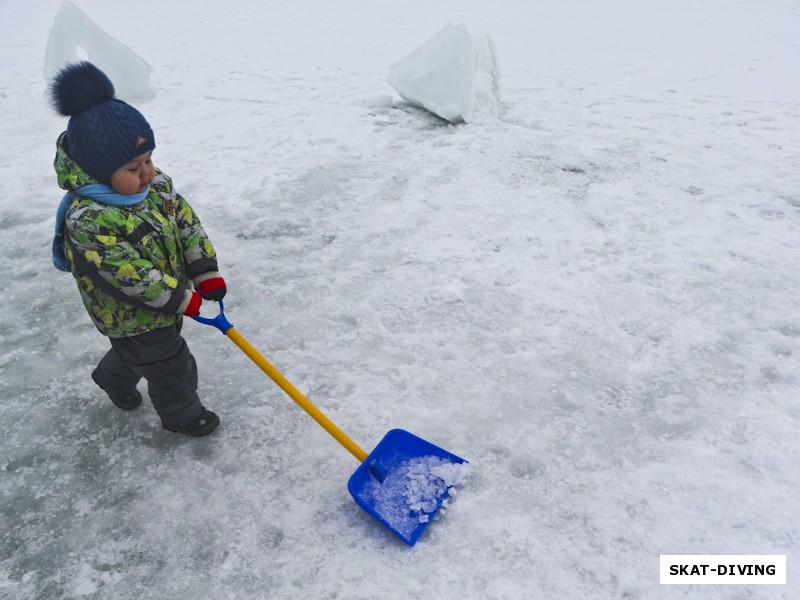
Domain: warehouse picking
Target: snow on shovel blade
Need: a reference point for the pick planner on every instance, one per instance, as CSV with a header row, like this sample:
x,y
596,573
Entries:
x,y
404,481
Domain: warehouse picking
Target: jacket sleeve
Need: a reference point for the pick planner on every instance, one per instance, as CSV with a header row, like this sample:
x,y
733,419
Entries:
x,y
99,250
198,251
199,255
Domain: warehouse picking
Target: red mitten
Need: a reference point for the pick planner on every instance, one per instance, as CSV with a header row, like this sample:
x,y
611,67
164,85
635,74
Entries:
x,y
212,289
193,308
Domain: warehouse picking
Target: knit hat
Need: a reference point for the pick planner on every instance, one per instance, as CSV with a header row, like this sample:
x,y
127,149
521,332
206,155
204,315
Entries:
x,y
104,133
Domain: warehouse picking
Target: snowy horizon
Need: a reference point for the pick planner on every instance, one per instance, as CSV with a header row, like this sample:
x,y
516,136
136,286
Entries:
x,y
593,298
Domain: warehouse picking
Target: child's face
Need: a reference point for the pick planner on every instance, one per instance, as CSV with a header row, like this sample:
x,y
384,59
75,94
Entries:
x,y
135,176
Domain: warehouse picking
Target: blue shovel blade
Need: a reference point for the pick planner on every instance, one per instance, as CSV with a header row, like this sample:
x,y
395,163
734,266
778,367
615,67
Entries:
x,y
394,484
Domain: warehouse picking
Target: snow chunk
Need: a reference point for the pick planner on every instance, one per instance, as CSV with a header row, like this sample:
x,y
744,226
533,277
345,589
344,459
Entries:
x,y
75,37
412,492
452,474
453,75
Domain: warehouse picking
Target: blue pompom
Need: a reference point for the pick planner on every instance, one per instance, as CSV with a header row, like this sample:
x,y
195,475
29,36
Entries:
x,y
79,87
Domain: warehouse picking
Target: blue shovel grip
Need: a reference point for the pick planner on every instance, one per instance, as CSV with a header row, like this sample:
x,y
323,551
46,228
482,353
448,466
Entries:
x,y
220,322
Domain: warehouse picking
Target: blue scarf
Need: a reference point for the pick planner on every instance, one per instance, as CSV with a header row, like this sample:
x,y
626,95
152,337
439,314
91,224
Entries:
x,y
99,192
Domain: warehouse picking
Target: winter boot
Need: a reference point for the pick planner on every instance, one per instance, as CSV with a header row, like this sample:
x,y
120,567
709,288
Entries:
x,y
127,402
202,425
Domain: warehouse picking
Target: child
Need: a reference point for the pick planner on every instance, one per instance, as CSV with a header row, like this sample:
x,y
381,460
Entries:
x,y
135,248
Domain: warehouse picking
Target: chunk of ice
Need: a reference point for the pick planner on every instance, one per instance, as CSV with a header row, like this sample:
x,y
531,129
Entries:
x,y
452,473
453,75
413,491
75,37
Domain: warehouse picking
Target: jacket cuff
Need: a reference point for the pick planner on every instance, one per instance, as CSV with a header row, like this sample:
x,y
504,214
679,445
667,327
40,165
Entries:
x,y
187,298
199,267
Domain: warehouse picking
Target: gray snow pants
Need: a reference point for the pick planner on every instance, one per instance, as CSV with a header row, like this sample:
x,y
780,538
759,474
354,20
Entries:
x,y
163,359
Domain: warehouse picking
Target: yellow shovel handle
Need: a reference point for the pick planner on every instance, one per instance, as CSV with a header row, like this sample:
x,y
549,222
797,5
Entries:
x,y
295,394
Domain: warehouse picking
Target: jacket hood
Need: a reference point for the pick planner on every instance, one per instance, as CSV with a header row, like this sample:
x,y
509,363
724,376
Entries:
x,y
70,174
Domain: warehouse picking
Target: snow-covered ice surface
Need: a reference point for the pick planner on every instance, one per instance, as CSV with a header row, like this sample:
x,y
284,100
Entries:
x,y
593,299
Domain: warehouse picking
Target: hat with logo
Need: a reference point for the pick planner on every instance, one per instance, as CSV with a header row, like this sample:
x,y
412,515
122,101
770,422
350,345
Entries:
x,y
104,133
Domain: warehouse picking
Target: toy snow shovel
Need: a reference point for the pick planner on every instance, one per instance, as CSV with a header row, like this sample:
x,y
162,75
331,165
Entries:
x,y
402,482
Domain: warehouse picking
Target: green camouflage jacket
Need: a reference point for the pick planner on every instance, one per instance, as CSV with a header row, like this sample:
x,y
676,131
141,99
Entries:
x,y
132,263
